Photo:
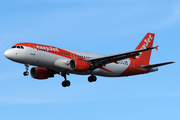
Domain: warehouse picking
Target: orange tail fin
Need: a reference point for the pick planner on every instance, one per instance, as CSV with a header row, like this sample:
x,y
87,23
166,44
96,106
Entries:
x,y
147,41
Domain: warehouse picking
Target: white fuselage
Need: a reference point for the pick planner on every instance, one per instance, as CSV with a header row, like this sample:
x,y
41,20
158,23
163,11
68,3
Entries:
x,y
42,58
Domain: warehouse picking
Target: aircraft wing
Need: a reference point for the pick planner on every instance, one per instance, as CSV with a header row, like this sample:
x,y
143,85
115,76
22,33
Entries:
x,y
156,65
116,57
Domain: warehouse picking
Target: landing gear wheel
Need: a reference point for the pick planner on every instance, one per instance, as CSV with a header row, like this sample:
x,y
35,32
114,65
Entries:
x,y
26,73
66,83
92,78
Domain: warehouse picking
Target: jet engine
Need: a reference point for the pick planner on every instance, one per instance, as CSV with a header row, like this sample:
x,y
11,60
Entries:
x,y
79,65
40,73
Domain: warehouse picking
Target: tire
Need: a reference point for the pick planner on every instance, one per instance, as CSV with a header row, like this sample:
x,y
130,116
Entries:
x,y
90,79
25,73
64,83
68,83
94,78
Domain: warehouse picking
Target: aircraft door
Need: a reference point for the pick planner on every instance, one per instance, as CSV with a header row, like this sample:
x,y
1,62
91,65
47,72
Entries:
x,y
132,66
32,49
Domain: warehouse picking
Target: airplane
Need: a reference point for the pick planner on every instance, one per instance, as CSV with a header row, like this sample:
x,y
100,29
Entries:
x,y
53,60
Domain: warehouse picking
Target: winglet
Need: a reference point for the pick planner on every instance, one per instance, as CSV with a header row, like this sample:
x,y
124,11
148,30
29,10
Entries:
x,y
156,47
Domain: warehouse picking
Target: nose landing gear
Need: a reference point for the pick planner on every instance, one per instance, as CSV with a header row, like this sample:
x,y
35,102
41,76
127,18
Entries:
x,y
26,73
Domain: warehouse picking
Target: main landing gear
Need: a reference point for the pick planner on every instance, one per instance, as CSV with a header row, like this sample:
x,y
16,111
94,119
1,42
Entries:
x,y
26,73
92,78
65,83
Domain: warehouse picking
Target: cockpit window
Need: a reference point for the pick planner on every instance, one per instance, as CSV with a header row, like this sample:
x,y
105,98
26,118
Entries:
x,y
19,47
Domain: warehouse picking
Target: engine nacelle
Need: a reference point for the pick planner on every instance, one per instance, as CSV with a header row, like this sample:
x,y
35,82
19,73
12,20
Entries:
x,y
40,73
79,65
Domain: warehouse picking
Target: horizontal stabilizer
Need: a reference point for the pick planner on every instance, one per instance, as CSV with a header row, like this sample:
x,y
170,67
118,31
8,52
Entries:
x,y
156,65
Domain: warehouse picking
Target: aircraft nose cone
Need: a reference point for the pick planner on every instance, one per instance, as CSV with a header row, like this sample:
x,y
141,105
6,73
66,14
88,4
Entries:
x,y
7,53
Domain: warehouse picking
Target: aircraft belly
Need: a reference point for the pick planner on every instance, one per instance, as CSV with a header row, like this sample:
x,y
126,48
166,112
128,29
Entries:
x,y
113,69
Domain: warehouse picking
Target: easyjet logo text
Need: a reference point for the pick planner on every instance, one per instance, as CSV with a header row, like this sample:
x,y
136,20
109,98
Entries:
x,y
47,48
146,43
